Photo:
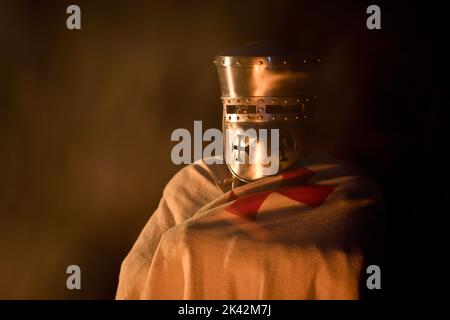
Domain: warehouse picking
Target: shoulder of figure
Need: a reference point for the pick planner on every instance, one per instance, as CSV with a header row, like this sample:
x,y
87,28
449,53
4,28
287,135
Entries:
x,y
197,178
355,181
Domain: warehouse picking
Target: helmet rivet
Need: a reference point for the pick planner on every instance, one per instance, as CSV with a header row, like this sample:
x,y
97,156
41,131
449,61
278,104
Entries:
x,y
260,100
261,109
237,100
223,61
229,101
248,100
237,62
273,118
260,62
284,62
318,60
296,117
274,100
315,97
286,100
285,118
229,117
237,118
298,100
305,61
260,117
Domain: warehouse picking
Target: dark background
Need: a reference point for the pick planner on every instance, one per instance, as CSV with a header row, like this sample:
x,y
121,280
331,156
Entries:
x,y
86,118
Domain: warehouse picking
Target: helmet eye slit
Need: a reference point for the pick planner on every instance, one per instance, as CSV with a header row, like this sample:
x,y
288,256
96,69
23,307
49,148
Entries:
x,y
279,109
241,109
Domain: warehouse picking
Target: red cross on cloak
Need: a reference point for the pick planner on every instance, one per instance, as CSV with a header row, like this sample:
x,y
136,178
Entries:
x,y
293,185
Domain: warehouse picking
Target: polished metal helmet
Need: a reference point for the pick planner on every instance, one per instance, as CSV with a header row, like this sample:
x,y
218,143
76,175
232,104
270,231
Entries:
x,y
263,89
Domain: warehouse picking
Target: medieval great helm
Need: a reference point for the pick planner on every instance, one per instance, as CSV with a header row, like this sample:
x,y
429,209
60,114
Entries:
x,y
266,86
